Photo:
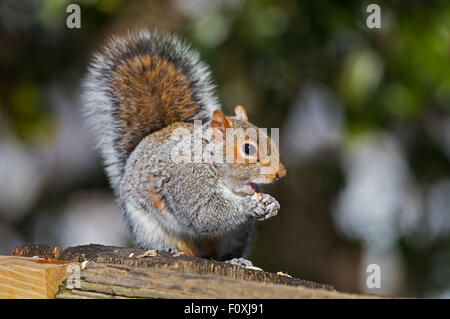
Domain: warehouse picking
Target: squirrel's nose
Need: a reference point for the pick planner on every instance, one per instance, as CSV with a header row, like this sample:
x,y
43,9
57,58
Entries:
x,y
281,171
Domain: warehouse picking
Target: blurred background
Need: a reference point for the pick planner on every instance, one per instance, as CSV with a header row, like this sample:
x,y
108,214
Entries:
x,y
363,115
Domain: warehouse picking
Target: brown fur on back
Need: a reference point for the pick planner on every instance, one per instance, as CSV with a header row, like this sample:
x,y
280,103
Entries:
x,y
152,93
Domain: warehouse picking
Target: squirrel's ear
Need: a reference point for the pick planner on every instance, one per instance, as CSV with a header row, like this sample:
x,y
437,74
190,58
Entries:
x,y
241,113
220,122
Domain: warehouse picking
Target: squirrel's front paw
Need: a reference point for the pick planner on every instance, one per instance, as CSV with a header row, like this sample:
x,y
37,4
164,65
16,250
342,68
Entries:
x,y
263,206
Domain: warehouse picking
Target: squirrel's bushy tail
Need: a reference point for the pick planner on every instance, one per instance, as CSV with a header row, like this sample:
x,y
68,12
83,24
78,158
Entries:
x,y
140,84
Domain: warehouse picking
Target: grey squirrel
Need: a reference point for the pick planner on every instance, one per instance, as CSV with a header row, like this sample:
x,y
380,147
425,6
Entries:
x,y
138,92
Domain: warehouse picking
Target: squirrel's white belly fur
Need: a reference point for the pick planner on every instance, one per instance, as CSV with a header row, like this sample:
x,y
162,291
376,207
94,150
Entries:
x,y
147,231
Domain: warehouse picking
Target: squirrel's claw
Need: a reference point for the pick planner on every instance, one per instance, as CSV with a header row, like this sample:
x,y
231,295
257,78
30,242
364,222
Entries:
x,y
239,262
264,207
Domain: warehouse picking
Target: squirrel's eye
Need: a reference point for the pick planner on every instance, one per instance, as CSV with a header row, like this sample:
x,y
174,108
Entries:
x,y
249,149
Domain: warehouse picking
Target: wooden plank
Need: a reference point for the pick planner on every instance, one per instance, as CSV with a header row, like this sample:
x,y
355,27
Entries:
x,y
122,281
115,272
181,263
34,278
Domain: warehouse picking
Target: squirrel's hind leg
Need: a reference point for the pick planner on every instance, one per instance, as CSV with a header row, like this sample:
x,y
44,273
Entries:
x,y
240,262
146,230
235,246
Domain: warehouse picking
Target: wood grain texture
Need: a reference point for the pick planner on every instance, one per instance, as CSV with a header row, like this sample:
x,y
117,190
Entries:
x,y
117,272
22,277
182,263
122,281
